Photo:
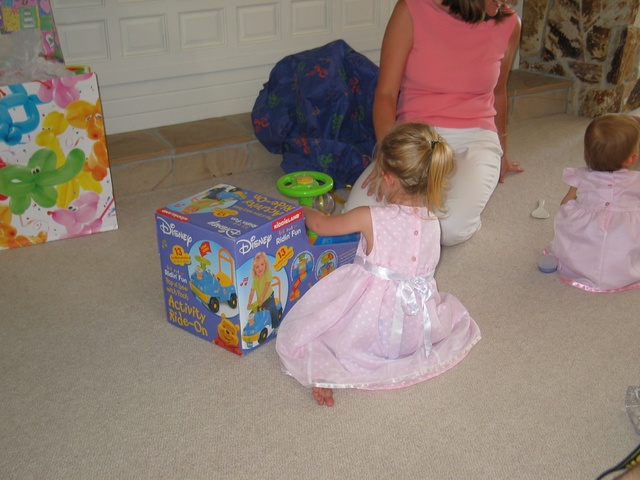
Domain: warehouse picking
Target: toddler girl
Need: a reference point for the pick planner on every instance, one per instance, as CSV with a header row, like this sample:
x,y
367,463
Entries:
x,y
261,288
380,322
597,228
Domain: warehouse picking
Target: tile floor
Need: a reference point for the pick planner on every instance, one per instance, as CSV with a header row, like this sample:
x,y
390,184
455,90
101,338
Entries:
x,y
162,157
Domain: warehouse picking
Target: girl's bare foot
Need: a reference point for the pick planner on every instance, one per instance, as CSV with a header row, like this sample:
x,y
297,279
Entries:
x,y
324,396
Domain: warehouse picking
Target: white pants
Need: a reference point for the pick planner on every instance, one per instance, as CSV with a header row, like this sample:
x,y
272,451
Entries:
x,y
478,156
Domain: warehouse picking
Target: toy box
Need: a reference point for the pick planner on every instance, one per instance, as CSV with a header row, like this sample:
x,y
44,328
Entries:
x,y
234,262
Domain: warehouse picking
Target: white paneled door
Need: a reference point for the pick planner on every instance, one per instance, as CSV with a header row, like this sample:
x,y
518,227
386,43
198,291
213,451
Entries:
x,y
161,62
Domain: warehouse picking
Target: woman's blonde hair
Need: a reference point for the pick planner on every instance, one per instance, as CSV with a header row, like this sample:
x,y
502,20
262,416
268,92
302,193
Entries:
x,y
420,159
609,140
474,11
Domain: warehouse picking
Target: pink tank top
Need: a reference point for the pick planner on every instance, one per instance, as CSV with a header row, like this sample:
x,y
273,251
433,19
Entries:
x,y
452,68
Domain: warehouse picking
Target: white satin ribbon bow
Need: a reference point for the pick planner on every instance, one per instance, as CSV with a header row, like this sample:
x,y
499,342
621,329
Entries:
x,y
412,296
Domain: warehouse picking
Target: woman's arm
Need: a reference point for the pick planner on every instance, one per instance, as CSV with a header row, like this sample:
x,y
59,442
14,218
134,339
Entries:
x,y
501,101
396,44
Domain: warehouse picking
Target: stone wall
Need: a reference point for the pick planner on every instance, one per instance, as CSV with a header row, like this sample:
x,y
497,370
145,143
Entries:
x,y
596,43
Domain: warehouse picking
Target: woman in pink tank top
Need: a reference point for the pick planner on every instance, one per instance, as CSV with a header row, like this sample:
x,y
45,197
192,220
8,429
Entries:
x,y
446,63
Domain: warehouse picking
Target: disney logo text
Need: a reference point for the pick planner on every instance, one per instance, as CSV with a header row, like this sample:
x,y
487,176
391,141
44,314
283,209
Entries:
x,y
225,230
245,246
170,229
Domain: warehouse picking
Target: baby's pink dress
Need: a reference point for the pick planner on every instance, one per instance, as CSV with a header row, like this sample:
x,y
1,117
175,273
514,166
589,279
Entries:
x,y
597,236
353,330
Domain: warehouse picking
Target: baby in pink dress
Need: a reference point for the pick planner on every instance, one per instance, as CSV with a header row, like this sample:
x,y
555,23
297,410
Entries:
x,y
597,228
381,322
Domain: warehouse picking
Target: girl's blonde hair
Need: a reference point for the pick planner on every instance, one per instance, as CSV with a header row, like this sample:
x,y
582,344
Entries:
x,y
421,161
609,140
260,256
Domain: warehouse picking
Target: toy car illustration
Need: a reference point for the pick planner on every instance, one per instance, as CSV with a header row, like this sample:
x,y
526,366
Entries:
x,y
261,324
225,194
326,264
231,195
211,289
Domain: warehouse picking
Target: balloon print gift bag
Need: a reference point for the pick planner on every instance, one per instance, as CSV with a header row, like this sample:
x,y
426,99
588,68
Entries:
x,y
55,179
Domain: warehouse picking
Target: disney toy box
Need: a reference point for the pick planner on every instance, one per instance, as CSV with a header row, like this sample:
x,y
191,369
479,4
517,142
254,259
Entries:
x,y
234,262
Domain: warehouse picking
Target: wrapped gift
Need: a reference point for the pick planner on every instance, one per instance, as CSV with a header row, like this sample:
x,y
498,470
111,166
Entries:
x,y
18,15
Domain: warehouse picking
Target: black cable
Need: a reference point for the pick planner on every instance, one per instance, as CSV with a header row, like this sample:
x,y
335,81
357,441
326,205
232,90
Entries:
x,y
630,460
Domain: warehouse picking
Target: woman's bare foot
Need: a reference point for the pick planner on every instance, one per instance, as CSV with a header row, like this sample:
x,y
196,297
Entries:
x,y
324,396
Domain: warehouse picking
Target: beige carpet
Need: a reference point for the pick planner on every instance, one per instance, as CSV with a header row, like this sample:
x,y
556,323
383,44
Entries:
x,y
96,384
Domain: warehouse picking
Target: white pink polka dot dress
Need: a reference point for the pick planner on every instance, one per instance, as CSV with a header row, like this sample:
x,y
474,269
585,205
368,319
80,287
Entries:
x,y
366,325
597,235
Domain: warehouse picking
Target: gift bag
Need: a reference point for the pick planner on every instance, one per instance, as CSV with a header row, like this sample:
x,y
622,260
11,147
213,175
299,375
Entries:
x,y
55,180
316,110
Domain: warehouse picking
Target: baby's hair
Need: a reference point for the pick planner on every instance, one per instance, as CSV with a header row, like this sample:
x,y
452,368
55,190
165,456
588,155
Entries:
x,y
259,256
420,159
609,140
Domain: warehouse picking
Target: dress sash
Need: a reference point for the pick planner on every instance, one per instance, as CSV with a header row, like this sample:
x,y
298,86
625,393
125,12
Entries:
x,y
412,295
